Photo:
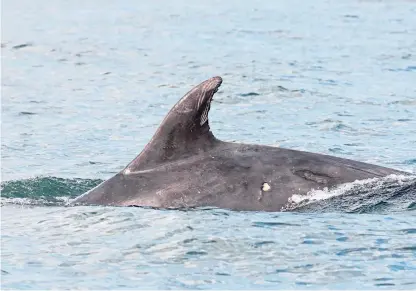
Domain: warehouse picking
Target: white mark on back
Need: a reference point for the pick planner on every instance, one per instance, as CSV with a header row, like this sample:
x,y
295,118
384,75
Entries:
x,y
265,187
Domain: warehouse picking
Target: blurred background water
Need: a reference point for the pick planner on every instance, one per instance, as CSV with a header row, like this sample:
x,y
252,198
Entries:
x,y
86,83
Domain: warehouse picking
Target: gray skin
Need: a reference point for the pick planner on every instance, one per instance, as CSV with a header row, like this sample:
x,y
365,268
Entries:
x,y
184,165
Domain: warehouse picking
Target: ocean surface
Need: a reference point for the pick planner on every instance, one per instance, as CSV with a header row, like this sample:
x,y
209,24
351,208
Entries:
x,y
86,83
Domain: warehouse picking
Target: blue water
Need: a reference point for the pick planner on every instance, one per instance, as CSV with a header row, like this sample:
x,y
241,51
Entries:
x,y
86,83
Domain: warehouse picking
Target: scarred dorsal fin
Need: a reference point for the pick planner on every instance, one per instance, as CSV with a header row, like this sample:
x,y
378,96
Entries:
x,y
184,131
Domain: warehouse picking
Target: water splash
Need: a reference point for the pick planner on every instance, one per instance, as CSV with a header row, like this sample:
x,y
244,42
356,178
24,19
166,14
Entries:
x,y
386,194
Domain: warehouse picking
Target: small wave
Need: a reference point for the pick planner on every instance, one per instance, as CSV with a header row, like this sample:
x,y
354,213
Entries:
x,y
315,195
249,94
390,193
27,113
44,190
23,45
57,201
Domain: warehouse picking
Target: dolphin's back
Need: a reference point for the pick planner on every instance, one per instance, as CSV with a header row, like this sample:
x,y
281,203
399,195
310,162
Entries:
x,y
185,165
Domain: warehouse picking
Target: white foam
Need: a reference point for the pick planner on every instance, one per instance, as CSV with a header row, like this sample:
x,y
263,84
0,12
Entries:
x,y
374,183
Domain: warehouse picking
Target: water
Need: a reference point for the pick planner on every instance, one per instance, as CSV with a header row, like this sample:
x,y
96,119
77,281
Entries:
x,y
85,84
134,248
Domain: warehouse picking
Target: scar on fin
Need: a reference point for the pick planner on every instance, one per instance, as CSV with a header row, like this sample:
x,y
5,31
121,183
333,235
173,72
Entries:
x,y
316,177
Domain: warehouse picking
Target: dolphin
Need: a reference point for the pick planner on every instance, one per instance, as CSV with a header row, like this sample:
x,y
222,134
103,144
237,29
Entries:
x,y
185,166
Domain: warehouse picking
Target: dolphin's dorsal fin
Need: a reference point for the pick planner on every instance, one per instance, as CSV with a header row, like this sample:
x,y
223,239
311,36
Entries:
x,y
184,131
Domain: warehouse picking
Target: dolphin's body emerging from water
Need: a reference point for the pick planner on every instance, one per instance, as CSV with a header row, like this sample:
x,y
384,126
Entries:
x,y
184,165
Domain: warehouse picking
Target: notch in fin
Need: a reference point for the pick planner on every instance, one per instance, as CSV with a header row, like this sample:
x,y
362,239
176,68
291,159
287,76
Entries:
x,y
185,130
